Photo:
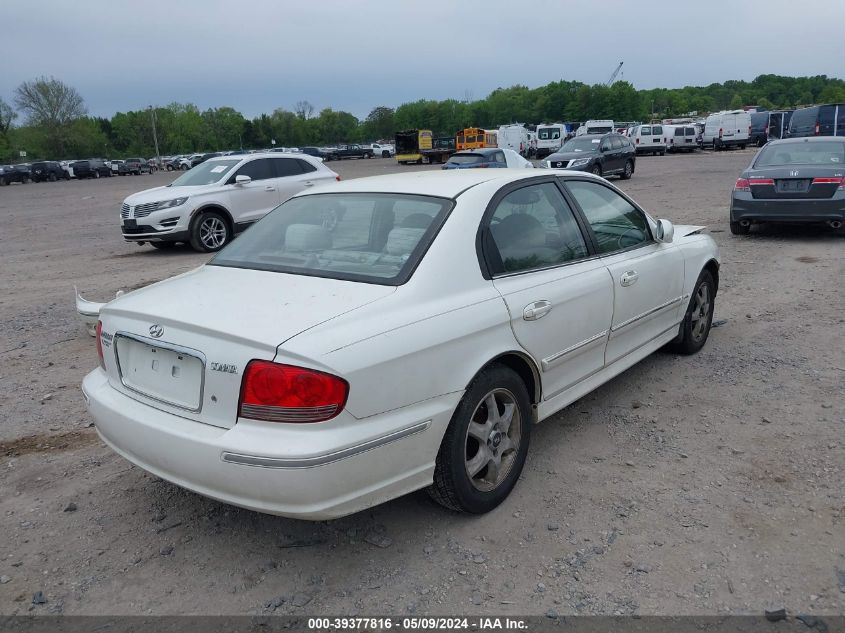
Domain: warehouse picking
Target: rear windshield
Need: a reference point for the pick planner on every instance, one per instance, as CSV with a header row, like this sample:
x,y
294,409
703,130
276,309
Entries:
x,y
599,129
826,153
206,173
581,145
370,237
548,133
467,159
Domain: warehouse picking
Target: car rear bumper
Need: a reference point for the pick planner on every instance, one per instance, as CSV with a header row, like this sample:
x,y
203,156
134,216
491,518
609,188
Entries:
x,y
252,464
794,211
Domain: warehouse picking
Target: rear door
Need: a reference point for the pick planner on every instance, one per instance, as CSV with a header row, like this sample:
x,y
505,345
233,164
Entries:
x,y
559,297
252,201
647,276
728,126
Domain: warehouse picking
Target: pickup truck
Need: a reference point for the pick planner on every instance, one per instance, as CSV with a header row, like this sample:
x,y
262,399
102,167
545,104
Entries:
x,y
381,149
350,151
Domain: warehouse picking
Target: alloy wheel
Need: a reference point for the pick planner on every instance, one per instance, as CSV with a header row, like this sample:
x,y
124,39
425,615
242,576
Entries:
x,y
213,232
492,440
700,312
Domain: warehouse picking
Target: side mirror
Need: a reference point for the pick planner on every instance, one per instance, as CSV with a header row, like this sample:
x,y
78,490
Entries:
x,y
665,231
242,180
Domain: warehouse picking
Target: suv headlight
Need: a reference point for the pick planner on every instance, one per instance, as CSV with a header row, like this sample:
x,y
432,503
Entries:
x,y
169,204
580,162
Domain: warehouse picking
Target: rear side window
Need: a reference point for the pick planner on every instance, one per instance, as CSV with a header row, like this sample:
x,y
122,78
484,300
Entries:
x,y
826,120
532,228
616,223
679,131
657,129
286,167
305,166
616,143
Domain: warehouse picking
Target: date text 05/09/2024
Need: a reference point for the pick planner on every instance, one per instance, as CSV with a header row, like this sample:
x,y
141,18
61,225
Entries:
x,y
481,624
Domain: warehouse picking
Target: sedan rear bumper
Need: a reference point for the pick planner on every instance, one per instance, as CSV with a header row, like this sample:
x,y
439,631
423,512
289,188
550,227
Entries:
x,y
794,211
251,465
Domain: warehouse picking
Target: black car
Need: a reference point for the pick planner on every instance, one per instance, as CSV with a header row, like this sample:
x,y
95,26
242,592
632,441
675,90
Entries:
x,y
204,157
47,170
601,154
91,168
822,120
489,157
14,173
795,181
759,128
137,166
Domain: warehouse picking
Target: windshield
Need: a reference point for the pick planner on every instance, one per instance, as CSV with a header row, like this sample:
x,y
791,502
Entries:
x,y
205,173
830,153
581,145
599,129
372,237
548,133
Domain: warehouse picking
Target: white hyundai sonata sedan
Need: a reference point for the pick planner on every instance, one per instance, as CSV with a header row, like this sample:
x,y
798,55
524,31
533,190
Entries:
x,y
394,333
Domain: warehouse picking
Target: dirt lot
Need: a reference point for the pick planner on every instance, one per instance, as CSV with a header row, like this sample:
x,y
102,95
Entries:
x,y
695,485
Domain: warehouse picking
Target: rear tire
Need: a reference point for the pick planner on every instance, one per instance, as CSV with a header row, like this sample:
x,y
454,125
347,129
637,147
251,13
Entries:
x,y
739,229
52,177
695,328
96,174
628,171
489,443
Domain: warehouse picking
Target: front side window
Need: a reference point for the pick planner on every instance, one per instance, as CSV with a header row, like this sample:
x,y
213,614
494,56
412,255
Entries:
x,y
260,169
532,228
369,237
616,223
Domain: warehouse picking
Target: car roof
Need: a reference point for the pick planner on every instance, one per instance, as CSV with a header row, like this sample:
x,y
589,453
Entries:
x,y
445,184
257,155
479,150
807,139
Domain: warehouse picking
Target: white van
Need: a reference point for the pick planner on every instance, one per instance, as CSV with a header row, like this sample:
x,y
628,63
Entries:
x,y
727,129
680,138
549,138
649,138
514,137
597,126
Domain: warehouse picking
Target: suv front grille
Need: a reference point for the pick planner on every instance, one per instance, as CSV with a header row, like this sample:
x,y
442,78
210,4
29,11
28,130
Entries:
x,y
141,211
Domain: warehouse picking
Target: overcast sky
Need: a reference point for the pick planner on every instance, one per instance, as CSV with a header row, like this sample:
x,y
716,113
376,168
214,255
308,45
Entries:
x,y
257,55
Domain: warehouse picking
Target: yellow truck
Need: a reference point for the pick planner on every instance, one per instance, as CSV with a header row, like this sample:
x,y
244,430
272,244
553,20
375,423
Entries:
x,y
418,146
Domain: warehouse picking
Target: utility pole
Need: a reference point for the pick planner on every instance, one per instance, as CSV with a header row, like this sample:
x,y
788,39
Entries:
x,y
155,137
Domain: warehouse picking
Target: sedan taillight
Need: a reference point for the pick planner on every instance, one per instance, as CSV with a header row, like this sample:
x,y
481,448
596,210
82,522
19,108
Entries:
x,y
284,393
830,181
100,344
742,184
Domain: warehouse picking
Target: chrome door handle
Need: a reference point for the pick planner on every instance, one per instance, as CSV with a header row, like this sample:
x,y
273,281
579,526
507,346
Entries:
x,y
269,188
536,310
308,184
629,278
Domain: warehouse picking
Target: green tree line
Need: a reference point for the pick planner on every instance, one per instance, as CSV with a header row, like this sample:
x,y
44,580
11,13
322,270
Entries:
x,y
55,124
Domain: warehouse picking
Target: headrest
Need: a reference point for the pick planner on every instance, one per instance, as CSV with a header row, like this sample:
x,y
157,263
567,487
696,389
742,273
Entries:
x,y
401,241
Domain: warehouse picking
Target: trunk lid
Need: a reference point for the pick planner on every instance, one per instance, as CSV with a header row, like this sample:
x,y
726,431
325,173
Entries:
x,y
181,345
795,182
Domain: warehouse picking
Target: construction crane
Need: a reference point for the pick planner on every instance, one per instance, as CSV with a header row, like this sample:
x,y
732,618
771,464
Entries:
x,y
613,76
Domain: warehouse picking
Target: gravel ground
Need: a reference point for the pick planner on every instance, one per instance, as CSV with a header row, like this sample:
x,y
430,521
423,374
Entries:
x,y
688,485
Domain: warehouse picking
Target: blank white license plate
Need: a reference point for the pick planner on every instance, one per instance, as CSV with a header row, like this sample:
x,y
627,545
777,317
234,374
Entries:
x,y
160,373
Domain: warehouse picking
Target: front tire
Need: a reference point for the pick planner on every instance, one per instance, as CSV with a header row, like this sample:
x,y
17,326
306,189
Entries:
x,y
485,445
596,170
96,174
210,232
695,328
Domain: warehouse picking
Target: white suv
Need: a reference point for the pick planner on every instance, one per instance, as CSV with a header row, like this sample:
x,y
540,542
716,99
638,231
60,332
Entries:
x,y
207,205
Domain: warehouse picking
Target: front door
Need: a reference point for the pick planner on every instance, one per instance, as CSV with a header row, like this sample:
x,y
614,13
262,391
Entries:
x,y
647,276
253,200
560,300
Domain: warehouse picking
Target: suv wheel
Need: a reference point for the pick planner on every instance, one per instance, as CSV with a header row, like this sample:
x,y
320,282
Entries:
x,y
596,170
210,232
96,173
629,170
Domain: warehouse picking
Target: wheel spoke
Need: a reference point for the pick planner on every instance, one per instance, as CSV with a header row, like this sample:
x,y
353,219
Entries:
x,y
479,461
506,446
507,417
492,408
493,470
479,431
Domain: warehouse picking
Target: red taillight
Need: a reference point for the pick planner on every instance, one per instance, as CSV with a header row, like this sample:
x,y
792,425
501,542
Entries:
x,y
754,182
337,177
830,181
638,140
742,185
818,129
283,393
100,344
484,165
720,132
